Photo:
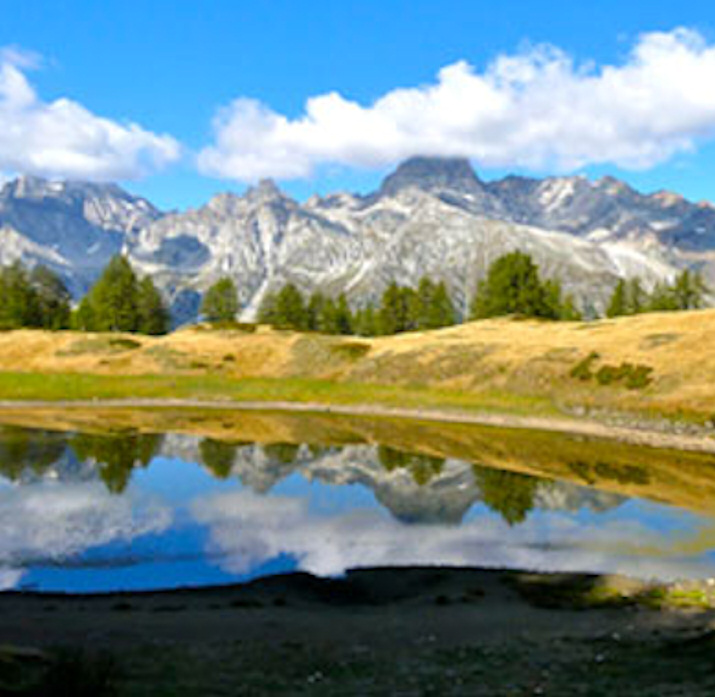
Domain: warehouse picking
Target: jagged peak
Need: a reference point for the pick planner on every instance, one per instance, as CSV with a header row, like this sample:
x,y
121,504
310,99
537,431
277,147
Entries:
x,y
432,173
266,189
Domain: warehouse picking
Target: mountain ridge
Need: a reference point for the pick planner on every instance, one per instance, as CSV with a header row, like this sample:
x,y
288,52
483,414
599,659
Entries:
x,y
431,216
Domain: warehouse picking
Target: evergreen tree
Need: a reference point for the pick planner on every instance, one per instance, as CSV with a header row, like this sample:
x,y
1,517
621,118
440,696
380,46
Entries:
x,y
618,304
366,321
53,298
290,311
19,304
113,299
392,317
153,315
662,298
343,316
689,291
513,286
314,312
328,320
220,302
441,312
83,317
637,298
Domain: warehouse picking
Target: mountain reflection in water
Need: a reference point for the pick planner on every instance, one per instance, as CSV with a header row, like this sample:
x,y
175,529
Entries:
x,y
85,511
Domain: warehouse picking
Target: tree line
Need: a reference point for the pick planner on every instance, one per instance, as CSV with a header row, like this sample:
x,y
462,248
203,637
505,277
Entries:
x,y
687,292
119,301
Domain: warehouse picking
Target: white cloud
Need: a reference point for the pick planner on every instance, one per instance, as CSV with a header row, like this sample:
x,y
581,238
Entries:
x,y
55,521
63,139
248,530
535,109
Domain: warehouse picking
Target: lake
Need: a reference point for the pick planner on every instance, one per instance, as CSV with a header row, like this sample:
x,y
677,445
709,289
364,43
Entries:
x,y
148,500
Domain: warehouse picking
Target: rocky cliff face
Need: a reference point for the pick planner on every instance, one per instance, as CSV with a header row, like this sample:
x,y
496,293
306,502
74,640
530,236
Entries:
x,y
432,216
71,227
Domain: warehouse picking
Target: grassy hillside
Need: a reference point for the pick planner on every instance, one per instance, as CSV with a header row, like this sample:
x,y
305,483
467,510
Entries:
x,y
655,365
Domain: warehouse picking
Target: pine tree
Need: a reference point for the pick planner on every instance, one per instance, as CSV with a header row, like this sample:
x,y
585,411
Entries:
x,y
343,316
82,318
366,321
220,302
637,298
689,291
662,299
19,304
392,315
314,312
53,298
153,315
441,312
290,310
512,286
618,304
113,299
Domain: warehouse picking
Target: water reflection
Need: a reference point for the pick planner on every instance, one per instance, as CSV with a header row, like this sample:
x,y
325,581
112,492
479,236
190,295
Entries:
x,y
94,510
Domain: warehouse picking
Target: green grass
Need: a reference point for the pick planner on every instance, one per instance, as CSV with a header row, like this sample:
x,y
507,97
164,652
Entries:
x,y
72,386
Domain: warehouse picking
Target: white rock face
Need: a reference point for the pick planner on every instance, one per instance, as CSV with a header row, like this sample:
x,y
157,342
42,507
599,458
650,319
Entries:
x,y
72,227
430,217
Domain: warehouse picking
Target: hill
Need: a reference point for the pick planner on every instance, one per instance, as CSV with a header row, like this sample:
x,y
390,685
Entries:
x,y
645,367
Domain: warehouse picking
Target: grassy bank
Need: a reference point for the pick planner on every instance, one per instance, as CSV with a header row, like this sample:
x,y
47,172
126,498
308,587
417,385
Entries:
x,y
71,386
649,366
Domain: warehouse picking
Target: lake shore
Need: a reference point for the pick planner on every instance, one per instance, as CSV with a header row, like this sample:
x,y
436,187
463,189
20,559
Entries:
x,y
634,435
381,631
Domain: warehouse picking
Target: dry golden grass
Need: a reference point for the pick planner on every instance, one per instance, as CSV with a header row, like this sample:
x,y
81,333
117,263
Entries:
x,y
525,358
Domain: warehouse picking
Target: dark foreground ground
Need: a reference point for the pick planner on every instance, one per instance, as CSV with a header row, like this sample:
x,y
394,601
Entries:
x,y
377,632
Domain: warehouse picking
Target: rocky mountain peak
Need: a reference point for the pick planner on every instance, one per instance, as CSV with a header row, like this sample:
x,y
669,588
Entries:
x,y
433,174
266,190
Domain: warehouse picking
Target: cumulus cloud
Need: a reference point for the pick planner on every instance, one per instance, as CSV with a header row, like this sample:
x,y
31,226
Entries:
x,y
52,521
64,139
248,530
537,109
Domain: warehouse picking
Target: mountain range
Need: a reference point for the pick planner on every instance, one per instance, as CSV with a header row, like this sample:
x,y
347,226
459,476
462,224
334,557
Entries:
x,y
431,216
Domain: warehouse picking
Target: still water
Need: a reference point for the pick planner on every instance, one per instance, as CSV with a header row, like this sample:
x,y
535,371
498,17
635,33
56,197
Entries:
x,y
106,511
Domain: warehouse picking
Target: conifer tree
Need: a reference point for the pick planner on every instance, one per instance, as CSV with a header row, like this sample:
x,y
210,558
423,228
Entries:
x,y
618,304
113,299
366,321
153,314
290,311
19,305
392,316
53,298
512,286
220,302
343,316
315,311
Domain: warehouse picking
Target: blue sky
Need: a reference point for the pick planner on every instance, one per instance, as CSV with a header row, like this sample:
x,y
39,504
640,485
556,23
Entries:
x,y
170,66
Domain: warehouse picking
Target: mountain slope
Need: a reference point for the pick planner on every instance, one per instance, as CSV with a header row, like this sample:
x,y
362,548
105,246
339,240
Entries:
x,y
431,216
71,227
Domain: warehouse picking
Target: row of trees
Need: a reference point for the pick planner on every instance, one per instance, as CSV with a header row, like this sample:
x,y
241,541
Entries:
x,y
119,301
402,309
687,292
33,299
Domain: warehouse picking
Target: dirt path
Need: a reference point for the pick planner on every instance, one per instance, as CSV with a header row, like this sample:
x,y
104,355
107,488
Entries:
x,y
582,427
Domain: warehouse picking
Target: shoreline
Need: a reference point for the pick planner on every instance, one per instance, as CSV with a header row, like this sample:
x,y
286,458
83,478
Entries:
x,y
578,427
375,631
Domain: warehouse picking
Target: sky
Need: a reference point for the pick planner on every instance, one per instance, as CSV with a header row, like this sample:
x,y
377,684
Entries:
x,y
180,100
